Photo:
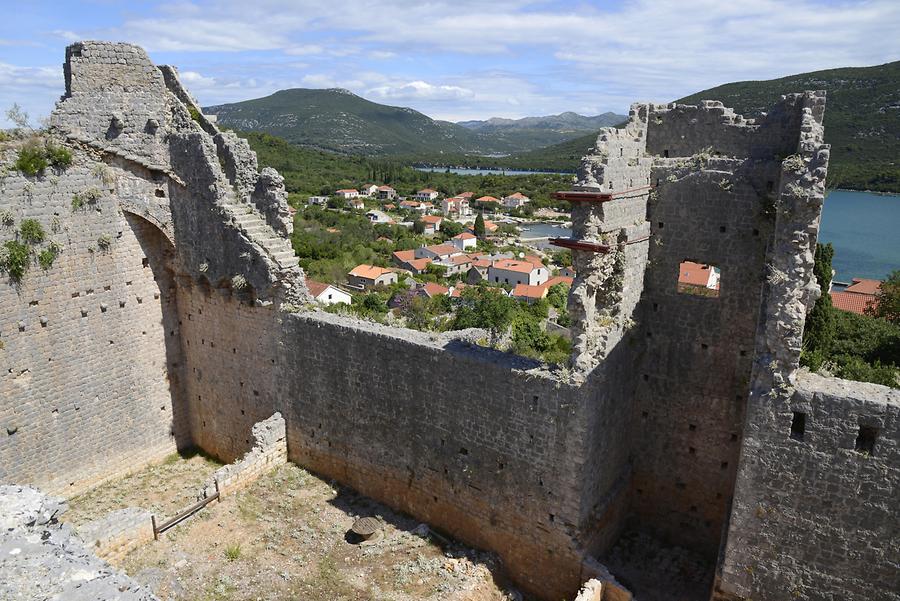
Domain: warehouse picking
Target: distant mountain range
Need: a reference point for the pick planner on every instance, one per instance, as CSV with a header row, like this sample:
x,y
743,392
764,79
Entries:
x,y
338,120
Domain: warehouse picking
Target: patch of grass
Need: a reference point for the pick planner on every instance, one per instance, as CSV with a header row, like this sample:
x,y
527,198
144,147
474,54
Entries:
x,y
15,259
233,552
195,114
32,231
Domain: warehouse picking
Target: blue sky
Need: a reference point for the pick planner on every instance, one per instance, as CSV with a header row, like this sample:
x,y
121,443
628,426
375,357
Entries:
x,y
466,59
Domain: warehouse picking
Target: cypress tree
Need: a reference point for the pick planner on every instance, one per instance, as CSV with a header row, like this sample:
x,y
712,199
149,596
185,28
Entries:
x,y
479,225
818,332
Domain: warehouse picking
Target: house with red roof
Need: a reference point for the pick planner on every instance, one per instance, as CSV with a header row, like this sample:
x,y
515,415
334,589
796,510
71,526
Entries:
x,y
406,259
464,240
369,276
432,224
327,294
698,278
530,293
347,194
515,201
856,297
518,271
386,193
426,194
369,190
456,206
436,251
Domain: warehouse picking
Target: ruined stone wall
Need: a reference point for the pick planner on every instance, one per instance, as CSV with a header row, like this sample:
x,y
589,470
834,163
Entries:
x,y
90,380
454,435
814,512
694,375
230,384
813,517
679,130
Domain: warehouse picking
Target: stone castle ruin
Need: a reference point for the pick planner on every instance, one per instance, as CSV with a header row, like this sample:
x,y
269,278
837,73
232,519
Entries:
x,y
174,316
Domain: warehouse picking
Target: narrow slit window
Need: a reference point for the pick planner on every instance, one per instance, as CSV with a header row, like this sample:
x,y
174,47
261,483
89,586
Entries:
x,y
865,440
699,279
798,425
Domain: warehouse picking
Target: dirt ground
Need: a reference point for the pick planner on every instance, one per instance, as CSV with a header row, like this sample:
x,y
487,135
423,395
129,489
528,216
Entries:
x,y
286,537
163,489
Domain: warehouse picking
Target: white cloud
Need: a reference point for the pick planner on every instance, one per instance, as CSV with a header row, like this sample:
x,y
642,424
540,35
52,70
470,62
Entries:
x,y
33,88
420,90
192,78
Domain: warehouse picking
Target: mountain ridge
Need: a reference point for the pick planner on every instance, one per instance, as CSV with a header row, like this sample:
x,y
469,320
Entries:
x,y
338,120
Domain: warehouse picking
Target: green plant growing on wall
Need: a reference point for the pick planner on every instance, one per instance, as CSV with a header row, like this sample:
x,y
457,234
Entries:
x,y
104,173
6,217
58,156
32,159
104,242
195,114
46,258
32,231
15,258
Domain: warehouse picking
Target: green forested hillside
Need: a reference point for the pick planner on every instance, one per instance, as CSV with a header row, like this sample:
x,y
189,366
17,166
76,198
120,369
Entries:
x,y
340,121
310,172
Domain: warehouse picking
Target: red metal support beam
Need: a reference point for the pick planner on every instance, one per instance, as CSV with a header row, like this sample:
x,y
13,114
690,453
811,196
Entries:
x,y
597,197
584,245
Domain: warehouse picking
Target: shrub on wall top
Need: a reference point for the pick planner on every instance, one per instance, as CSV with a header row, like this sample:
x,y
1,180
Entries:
x,y
32,159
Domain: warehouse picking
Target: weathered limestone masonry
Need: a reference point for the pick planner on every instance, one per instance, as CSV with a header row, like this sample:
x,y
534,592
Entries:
x,y
815,509
44,559
169,320
269,450
94,377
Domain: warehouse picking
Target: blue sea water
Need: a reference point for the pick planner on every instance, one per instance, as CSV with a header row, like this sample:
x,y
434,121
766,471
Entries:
x,y
864,229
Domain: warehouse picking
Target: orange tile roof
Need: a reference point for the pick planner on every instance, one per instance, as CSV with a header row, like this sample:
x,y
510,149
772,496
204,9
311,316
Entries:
x,y
419,264
517,196
465,195
369,272
527,291
695,274
490,226
384,188
464,236
432,289
315,288
852,301
460,260
435,219
515,265
426,191
862,286
482,263
348,190
486,199
557,279
443,249
404,256
534,259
